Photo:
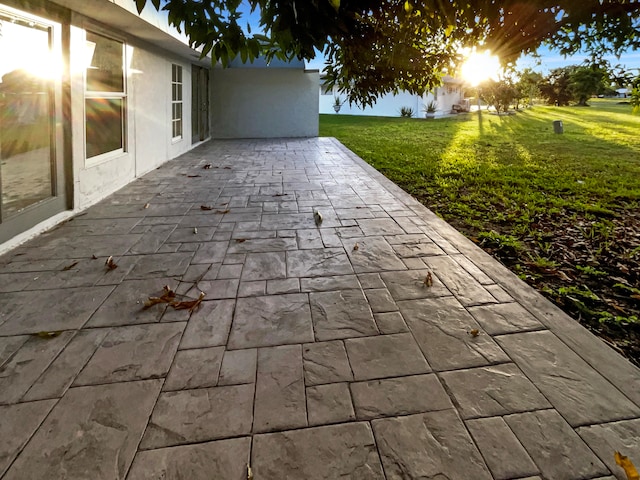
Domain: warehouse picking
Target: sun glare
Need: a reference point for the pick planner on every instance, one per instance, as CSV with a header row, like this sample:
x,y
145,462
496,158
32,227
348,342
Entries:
x,y
33,56
480,66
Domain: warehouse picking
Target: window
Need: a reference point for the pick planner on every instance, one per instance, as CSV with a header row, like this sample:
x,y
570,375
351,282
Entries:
x,y
176,101
104,96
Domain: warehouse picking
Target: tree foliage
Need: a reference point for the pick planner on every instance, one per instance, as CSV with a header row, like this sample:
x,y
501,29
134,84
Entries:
x,y
586,81
555,88
380,46
499,94
575,83
634,99
528,85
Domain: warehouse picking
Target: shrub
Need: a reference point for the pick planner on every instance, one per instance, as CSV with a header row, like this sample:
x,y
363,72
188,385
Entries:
x,y
406,112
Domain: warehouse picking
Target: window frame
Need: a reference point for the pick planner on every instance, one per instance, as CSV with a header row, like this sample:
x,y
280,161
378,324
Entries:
x,y
106,95
177,85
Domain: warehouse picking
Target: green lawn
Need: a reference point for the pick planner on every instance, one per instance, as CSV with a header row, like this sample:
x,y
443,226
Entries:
x,y
560,210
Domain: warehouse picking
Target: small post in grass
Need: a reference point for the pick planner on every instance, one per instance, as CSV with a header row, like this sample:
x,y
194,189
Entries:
x,y
558,127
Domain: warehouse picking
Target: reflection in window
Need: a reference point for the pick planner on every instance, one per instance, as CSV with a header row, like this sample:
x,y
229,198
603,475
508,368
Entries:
x,y
105,95
25,114
176,101
104,125
104,72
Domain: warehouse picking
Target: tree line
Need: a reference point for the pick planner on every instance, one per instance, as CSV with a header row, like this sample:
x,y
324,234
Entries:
x,y
561,86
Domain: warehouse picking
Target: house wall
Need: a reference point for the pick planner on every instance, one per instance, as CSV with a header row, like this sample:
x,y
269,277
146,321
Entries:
x,y
448,96
389,105
264,103
148,116
386,106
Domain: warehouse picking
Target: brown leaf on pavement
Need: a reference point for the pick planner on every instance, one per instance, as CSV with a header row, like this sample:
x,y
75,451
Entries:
x,y
205,207
193,176
222,211
474,333
241,240
192,305
168,296
70,266
146,205
428,280
356,246
47,335
151,301
207,166
111,265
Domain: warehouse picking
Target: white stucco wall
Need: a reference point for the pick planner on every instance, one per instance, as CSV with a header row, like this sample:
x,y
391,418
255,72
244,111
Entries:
x,y
264,103
148,117
389,105
386,106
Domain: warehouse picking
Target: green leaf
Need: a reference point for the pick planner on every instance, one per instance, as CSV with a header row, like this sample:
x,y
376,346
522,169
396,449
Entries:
x,y
140,5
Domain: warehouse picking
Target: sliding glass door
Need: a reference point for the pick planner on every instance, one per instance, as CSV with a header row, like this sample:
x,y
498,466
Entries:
x,y
31,161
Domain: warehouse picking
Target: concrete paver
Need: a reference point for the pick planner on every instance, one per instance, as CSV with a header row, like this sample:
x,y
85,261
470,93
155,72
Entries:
x,y
320,351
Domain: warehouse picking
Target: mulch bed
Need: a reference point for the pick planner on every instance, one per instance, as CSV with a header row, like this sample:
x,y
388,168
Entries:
x,y
603,294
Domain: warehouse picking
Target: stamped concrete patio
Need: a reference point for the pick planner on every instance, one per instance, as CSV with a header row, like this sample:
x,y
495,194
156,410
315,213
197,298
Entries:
x,y
317,353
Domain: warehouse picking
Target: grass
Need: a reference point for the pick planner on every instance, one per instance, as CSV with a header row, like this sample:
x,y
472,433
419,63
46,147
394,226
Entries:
x,y
505,168
544,203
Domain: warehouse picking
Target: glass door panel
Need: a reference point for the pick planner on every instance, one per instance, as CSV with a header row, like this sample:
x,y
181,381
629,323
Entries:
x,y
26,115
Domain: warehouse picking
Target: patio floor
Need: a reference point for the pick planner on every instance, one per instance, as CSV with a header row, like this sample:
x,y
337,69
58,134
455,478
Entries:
x,y
319,352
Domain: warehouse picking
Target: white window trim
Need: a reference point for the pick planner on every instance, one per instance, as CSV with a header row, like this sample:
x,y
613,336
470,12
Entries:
x,y
177,138
107,156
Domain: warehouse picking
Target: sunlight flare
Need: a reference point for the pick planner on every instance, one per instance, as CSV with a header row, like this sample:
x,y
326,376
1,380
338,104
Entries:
x,y
479,67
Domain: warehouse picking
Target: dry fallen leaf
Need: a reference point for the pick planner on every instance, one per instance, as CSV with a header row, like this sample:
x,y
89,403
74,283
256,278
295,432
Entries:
x,y
241,240
193,176
627,466
428,280
195,230
227,168
151,301
222,211
70,266
356,246
192,305
249,472
168,292
168,296
317,216
207,166
93,257
146,205
280,194
111,265
474,333
47,335
205,207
